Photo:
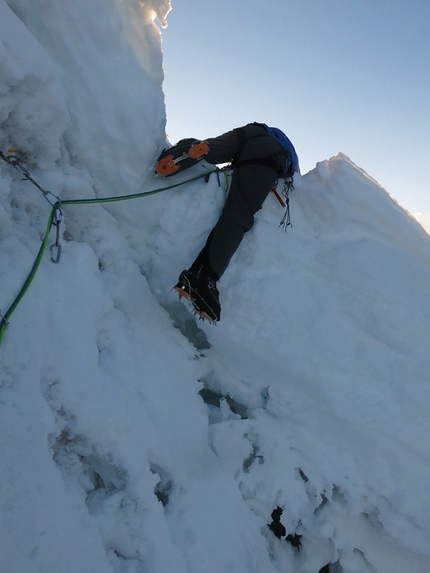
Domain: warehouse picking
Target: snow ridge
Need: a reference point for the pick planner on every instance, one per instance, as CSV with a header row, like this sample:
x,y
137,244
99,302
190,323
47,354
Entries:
x,y
137,439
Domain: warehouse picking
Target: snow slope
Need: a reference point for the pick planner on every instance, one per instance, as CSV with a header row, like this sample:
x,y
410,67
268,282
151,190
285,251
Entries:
x,y
135,439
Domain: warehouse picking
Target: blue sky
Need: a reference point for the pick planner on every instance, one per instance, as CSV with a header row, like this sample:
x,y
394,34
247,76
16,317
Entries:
x,y
335,75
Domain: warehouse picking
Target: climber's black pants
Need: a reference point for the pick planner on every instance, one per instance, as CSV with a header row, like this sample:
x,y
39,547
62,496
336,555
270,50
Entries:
x,y
250,185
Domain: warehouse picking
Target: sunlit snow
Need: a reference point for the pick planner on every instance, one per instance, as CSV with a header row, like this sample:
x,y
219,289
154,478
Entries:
x,y
137,439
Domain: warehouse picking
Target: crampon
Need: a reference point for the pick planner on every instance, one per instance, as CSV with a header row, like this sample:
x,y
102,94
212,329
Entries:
x,y
202,293
181,156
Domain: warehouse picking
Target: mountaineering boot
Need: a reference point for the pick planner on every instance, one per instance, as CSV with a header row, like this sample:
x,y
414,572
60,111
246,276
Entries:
x,y
183,155
202,292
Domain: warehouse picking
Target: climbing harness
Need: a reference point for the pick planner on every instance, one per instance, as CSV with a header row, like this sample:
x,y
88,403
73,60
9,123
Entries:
x,y
56,216
284,202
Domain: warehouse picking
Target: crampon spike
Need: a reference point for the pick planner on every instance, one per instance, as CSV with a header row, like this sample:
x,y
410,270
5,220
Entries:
x,y
182,293
203,316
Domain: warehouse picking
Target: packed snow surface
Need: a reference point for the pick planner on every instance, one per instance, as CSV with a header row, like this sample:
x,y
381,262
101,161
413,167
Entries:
x,y
137,439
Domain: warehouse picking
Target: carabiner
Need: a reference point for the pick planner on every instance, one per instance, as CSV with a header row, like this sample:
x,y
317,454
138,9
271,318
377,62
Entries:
x,y
58,257
56,220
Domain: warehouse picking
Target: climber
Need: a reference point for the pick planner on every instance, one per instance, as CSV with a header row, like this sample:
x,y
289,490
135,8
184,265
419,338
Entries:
x,y
259,155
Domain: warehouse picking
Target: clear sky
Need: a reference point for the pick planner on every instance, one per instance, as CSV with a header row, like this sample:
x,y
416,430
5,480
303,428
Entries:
x,y
335,75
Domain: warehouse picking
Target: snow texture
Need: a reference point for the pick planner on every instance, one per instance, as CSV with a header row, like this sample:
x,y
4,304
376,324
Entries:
x,y
135,439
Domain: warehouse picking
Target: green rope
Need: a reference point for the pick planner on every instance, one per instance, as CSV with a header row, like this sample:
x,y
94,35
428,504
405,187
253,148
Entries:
x,y
5,318
4,322
135,195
